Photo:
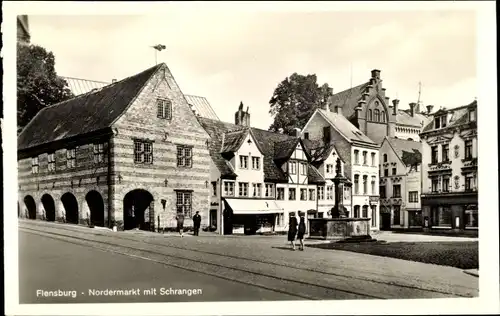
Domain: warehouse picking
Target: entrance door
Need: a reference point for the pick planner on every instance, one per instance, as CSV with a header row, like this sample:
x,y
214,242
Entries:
x,y
385,221
228,222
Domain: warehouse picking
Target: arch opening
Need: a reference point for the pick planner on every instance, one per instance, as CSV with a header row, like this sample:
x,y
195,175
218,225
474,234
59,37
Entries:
x,y
50,207
70,208
138,210
96,207
29,201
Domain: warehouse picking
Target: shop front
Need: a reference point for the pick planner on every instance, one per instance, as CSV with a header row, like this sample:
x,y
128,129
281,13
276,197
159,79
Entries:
x,y
250,217
452,211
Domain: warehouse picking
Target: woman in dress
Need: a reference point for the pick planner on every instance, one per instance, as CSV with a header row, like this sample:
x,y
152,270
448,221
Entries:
x,y
302,230
292,229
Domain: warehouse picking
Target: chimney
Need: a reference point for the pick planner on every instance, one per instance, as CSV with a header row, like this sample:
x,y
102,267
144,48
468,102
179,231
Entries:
x,y
296,132
429,109
412,108
358,109
113,80
338,109
376,74
395,103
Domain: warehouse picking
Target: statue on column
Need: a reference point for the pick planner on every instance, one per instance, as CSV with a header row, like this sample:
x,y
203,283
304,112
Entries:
x,y
338,210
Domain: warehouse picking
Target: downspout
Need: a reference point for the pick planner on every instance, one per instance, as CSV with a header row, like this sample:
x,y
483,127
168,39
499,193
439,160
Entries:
x,y
111,187
220,208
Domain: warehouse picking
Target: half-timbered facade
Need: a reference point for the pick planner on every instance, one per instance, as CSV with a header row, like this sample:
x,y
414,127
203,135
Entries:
x,y
257,177
128,155
449,169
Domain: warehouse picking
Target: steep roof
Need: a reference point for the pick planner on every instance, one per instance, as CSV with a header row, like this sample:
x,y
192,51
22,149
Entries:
x,y
346,128
313,175
317,150
410,152
265,141
232,140
348,99
403,117
458,116
85,113
283,149
80,86
201,106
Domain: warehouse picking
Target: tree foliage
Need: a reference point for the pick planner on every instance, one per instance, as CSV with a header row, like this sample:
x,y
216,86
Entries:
x,y
38,85
295,100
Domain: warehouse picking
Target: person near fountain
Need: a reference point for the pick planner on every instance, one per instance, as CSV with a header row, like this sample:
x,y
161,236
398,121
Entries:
x,y
302,230
292,229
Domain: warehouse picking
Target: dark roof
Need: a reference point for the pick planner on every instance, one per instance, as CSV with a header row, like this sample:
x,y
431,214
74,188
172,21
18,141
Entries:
x,y
283,149
216,130
231,141
407,150
348,99
313,175
316,150
265,141
458,117
85,113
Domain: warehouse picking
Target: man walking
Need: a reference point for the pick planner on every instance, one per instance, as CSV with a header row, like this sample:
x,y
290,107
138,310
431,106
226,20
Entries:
x,y
196,223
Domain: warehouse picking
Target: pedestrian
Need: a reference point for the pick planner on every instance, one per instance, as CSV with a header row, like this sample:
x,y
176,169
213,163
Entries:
x,y
302,230
292,229
196,223
180,224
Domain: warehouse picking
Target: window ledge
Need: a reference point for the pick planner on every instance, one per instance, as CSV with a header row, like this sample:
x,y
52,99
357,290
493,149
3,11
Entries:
x,y
472,228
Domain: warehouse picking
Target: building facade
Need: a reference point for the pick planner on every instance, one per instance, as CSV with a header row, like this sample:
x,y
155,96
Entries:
x,y
400,184
257,177
131,154
368,107
360,156
449,169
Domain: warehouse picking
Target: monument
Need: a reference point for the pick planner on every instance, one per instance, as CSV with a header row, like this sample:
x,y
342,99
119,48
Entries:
x,y
340,227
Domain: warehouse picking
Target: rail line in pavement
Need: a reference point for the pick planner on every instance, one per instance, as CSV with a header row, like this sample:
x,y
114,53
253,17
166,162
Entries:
x,y
297,288
403,287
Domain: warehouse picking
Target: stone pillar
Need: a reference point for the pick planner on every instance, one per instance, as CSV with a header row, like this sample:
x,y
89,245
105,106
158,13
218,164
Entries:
x,y
60,212
85,213
339,180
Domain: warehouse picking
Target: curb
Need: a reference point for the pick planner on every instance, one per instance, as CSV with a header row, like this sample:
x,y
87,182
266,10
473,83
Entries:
x,y
472,272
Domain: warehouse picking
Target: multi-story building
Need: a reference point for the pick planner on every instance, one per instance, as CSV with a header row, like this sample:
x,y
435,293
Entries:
x,y
368,108
324,158
359,154
257,177
449,169
400,183
130,154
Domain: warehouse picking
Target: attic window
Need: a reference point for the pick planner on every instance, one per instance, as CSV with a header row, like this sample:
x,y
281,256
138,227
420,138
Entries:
x,y
164,109
472,115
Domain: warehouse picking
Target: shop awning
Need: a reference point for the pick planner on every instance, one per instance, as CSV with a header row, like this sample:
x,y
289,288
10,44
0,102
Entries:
x,y
248,206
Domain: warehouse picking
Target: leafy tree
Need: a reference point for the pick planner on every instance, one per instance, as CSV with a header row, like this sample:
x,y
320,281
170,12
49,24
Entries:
x,y
295,100
38,85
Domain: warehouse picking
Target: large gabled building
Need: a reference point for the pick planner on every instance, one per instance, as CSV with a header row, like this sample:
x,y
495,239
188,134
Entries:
x,y
130,154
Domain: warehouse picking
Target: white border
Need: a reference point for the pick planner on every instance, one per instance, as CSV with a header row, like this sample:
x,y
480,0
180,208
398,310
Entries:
x,y
489,284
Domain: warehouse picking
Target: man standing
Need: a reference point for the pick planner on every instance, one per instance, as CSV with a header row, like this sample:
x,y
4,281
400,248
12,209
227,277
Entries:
x,y
196,223
180,224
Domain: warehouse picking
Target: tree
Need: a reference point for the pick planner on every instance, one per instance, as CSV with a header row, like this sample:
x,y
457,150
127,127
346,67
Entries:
x,y
295,100
38,85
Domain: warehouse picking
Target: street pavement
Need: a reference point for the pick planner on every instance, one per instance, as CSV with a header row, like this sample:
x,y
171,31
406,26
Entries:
x,y
226,268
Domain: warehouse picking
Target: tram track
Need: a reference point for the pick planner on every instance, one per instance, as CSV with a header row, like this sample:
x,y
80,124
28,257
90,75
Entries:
x,y
362,285
296,288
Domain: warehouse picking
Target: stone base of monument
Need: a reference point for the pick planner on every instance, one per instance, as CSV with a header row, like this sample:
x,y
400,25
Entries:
x,y
340,229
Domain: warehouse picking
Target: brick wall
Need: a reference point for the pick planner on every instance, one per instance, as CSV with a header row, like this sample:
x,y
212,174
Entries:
x,y
140,121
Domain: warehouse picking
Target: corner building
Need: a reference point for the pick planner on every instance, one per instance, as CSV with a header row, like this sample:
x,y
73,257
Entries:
x,y
130,154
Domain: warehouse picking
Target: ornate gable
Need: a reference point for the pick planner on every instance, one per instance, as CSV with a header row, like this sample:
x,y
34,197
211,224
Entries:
x,y
441,139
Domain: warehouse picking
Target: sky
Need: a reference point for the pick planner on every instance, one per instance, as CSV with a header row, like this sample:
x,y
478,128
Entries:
x,y
233,55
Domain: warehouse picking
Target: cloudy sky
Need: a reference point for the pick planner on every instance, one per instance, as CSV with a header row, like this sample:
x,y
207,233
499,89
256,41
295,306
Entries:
x,y
229,55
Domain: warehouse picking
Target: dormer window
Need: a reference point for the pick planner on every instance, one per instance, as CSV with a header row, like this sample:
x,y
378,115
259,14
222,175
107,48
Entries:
x,y
164,109
443,121
437,122
472,115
